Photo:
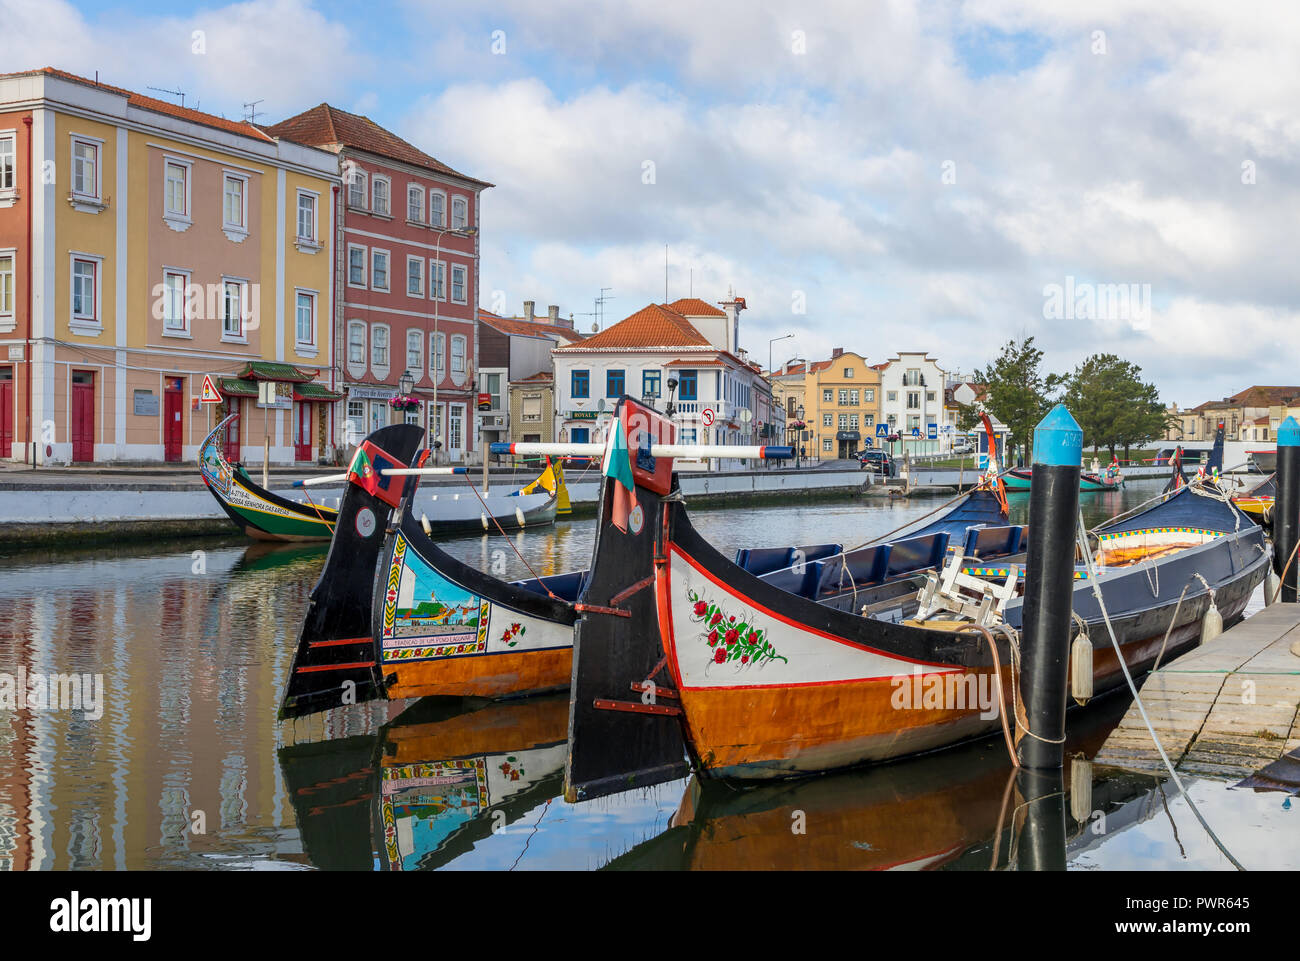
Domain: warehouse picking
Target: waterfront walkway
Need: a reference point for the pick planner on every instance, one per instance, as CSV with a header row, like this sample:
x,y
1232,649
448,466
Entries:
x,y
1223,710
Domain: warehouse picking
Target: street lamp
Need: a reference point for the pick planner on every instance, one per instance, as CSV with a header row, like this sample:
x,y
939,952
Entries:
x,y
405,383
771,372
671,408
798,451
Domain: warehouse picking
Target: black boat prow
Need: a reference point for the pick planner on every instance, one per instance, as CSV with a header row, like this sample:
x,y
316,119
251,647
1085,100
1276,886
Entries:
x,y
334,663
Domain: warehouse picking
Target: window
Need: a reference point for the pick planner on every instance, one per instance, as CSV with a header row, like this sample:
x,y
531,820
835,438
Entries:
x,y
437,280
827,444
6,285
853,421
848,373
913,400
415,203
891,397
828,396
305,314
929,397
490,384
828,420
307,217
175,319
379,197
843,423
176,189
232,309
531,408
688,385
379,347
356,413
85,168
415,276
414,351
614,382
234,213
357,348
457,284
581,386
868,396
437,208
912,378
356,266
868,420
458,354
438,353
459,213
356,187
844,398
379,269
913,421
650,383
8,161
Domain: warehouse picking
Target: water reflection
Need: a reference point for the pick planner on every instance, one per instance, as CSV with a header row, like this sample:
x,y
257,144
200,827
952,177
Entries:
x,y
188,767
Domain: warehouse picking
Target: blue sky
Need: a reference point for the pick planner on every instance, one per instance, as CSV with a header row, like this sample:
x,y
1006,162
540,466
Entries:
x,y
917,174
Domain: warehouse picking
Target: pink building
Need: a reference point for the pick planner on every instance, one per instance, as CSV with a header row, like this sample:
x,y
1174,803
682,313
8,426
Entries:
x,y
407,278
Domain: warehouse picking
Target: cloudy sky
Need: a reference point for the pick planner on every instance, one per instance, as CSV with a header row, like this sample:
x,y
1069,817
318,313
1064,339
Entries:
x,y
880,176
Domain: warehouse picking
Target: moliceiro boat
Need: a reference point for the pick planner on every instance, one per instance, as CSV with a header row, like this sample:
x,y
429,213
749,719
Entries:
x,y
265,515
1017,479
770,683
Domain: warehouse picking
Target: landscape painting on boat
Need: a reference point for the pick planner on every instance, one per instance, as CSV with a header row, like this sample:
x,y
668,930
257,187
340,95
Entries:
x,y
421,605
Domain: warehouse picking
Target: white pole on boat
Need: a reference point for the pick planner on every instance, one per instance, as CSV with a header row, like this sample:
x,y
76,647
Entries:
x,y
387,472
700,451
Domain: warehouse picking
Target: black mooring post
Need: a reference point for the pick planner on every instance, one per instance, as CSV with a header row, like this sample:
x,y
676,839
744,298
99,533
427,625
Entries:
x,y
1041,846
1049,587
1286,507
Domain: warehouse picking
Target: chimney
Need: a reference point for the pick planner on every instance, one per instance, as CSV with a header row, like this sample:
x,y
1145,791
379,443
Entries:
x,y
528,310
553,313
836,352
731,336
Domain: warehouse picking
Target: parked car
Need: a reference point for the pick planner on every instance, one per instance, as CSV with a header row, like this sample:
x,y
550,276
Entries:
x,y
877,460
963,445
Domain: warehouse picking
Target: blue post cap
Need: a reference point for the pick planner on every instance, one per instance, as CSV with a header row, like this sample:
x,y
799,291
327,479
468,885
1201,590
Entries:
x,y
1288,435
1058,439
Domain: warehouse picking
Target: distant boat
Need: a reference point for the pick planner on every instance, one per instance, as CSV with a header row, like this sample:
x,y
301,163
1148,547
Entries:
x,y
1017,479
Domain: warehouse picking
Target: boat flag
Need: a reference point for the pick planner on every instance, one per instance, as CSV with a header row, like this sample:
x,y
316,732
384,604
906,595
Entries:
x,y
618,467
362,472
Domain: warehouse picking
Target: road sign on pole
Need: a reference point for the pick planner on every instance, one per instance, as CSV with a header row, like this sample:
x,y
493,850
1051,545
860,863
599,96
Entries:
x,y
932,431
882,430
706,416
210,393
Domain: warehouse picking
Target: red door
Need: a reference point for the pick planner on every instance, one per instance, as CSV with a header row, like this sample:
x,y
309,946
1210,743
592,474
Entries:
x,y
172,422
83,415
302,433
6,411
232,432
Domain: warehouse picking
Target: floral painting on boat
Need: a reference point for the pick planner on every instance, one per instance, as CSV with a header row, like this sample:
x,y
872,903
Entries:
x,y
733,637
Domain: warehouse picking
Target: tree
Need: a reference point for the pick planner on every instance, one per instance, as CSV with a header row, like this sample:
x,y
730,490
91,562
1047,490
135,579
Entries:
x,y
1018,393
1114,407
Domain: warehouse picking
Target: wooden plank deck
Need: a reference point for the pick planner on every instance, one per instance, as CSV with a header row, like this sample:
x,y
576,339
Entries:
x,y
1224,710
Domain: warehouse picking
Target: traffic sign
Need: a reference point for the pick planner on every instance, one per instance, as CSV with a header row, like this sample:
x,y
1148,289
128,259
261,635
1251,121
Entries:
x,y
882,430
932,431
916,432
210,393
706,416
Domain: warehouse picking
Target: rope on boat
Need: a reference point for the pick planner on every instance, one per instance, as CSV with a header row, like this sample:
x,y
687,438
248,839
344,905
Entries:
x,y
1013,641
317,510
487,513
1002,700
1159,657
1282,580
1096,589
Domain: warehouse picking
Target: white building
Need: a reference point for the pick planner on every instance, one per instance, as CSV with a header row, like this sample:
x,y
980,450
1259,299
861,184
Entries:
x,y
684,353
912,403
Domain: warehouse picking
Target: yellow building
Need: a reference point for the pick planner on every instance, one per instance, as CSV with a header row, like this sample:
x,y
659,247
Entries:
x,y
168,244
840,398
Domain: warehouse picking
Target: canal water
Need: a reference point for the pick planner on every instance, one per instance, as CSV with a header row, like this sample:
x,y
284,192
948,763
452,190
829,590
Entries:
x,y
186,766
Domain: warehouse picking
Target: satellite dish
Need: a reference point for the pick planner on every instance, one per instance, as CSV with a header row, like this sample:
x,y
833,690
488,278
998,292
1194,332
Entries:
x,y
746,415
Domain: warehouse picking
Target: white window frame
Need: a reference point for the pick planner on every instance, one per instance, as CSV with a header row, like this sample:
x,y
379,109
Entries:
x,y
235,230
98,146
305,347
461,340
178,219
365,266
388,269
375,181
464,284
419,262
184,330
314,239
375,365
414,192
416,369
464,218
7,320
359,179
357,365
244,315
438,272
442,216
9,178
438,356
93,324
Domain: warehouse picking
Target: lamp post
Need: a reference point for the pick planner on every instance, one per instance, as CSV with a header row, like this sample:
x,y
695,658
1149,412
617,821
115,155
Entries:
x,y
798,451
771,372
405,383
670,409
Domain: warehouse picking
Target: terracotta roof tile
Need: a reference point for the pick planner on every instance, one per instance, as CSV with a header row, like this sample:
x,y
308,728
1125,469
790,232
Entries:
x,y
694,307
327,126
523,328
156,105
651,326
541,377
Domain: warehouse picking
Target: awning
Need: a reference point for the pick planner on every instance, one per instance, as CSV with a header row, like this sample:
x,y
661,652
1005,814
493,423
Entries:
x,y
848,435
238,388
268,370
315,392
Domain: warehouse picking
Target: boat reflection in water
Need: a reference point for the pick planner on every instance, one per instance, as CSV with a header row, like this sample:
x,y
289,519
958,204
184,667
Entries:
x,y
426,788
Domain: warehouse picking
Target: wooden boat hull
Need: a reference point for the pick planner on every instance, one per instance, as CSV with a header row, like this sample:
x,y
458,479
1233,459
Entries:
x,y
1018,479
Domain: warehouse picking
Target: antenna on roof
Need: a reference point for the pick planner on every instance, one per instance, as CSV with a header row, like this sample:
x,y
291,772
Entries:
x,y
174,93
251,111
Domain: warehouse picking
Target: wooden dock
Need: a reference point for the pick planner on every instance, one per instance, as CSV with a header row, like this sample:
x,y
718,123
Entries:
x,y
1224,710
